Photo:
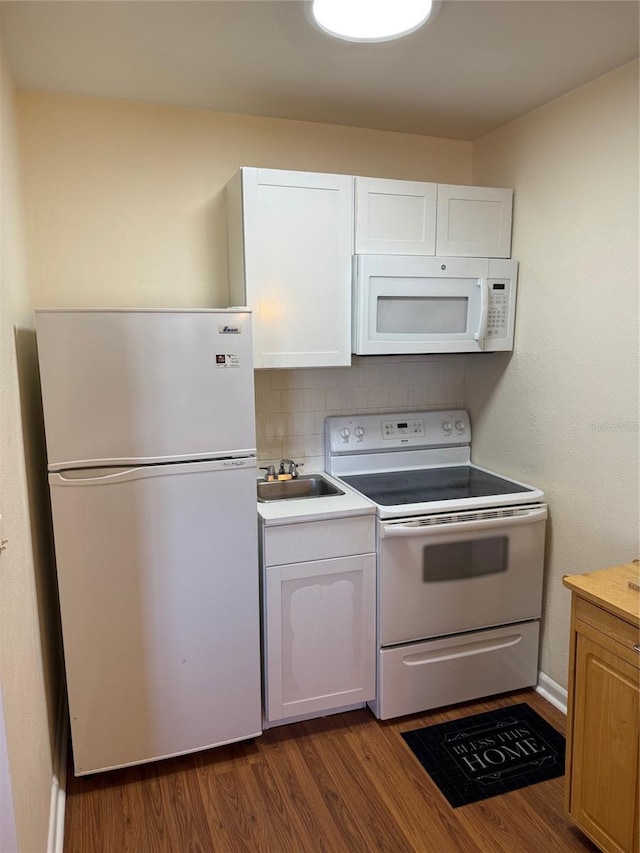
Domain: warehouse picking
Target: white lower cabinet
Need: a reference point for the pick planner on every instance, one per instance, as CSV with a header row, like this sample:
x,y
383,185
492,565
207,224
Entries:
x,y
319,634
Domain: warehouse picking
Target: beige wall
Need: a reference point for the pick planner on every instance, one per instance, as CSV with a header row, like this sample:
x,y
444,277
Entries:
x,y
29,666
562,412
125,201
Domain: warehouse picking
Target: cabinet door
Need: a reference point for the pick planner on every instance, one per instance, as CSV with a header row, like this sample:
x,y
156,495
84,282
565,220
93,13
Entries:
x,y
605,765
297,229
395,217
473,222
320,635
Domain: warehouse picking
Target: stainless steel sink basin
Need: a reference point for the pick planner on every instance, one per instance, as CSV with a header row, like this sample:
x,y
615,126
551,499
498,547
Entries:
x,y
305,486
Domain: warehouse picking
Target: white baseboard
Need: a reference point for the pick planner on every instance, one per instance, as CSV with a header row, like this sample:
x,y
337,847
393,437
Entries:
x,y
55,840
552,692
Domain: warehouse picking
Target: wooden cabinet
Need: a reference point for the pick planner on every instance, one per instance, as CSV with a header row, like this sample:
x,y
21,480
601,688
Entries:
x,y
447,220
603,763
290,240
319,617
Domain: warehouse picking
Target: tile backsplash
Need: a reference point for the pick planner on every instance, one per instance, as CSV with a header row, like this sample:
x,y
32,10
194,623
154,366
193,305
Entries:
x,y
291,405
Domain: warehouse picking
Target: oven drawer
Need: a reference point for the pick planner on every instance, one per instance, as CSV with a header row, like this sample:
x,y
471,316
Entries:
x,y
481,570
436,673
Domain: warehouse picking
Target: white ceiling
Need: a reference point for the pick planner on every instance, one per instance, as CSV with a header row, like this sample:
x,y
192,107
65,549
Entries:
x,y
480,64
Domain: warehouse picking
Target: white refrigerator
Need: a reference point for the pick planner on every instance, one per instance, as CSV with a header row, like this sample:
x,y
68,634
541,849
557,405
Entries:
x,y
150,431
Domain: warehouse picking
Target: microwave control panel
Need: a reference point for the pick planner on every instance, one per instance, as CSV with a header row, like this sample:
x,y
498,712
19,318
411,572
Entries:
x,y
497,322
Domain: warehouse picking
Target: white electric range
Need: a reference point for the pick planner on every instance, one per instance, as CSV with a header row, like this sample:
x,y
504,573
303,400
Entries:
x,y
460,559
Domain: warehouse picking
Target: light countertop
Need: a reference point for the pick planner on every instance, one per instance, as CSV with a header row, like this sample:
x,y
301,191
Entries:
x,y
310,509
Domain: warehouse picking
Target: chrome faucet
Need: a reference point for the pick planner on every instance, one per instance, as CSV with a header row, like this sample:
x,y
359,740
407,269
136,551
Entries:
x,y
293,468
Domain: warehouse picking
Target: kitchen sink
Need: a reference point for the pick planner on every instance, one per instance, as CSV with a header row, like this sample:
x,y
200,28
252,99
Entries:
x,y
305,486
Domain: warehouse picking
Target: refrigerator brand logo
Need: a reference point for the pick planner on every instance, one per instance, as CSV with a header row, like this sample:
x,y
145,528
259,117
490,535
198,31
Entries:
x,y
230,330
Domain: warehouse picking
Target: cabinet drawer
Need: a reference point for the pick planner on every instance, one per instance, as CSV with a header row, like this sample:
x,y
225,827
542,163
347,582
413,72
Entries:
x,y
319,540
617,635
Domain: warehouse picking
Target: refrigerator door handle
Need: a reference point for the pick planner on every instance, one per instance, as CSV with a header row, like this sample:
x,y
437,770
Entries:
x,y
106,476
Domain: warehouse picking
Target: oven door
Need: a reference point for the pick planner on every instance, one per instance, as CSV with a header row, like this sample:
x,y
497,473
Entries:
x,y
444,574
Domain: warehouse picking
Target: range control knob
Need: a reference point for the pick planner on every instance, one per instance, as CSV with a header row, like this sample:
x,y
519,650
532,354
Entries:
x,y
345,432
460,425
359,431
447,426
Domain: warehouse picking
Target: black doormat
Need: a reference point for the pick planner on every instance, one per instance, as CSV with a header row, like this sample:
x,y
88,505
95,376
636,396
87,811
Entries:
x,y
484,755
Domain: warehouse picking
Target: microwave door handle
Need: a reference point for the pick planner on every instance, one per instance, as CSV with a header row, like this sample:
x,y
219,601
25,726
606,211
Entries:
x,y
481,334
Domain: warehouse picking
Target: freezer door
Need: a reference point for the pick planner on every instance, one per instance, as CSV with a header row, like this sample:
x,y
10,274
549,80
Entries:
x,y
121,387
158,579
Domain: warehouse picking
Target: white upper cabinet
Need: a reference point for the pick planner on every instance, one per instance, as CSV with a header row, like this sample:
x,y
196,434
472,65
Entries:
x,y
473,222
290,239
395,217
414,218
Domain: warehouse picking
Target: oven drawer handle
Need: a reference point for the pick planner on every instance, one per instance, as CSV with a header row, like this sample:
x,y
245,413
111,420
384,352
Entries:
x,y
463,651
416,529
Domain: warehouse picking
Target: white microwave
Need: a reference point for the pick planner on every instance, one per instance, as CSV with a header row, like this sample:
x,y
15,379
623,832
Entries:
x,y
412,304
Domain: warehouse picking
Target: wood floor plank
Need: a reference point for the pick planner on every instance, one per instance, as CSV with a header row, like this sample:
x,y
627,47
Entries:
x,y
338,784
221,824
338,808
185,825
92,814
290,773
408,792
372,821
240,812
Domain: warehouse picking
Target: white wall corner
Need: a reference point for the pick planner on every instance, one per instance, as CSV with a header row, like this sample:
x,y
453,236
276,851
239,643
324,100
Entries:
x,y
57,808
552,692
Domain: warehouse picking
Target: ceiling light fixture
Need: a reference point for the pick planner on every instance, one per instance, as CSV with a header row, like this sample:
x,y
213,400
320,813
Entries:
x,y
373,20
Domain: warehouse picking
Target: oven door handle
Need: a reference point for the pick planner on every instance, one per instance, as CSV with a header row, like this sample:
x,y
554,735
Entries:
x,y
416,528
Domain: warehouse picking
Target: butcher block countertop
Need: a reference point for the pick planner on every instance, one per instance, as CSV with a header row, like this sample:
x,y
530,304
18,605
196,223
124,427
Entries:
x,y
615,589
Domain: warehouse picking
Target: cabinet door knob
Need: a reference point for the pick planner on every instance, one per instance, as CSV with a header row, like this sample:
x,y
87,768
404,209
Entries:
x,y
636,648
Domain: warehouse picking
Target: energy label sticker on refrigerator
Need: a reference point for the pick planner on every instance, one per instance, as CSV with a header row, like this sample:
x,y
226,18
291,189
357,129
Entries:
x,y
227,359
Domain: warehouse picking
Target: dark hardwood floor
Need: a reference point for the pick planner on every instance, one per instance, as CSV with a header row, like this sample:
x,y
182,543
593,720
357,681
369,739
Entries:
x,y
342,783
